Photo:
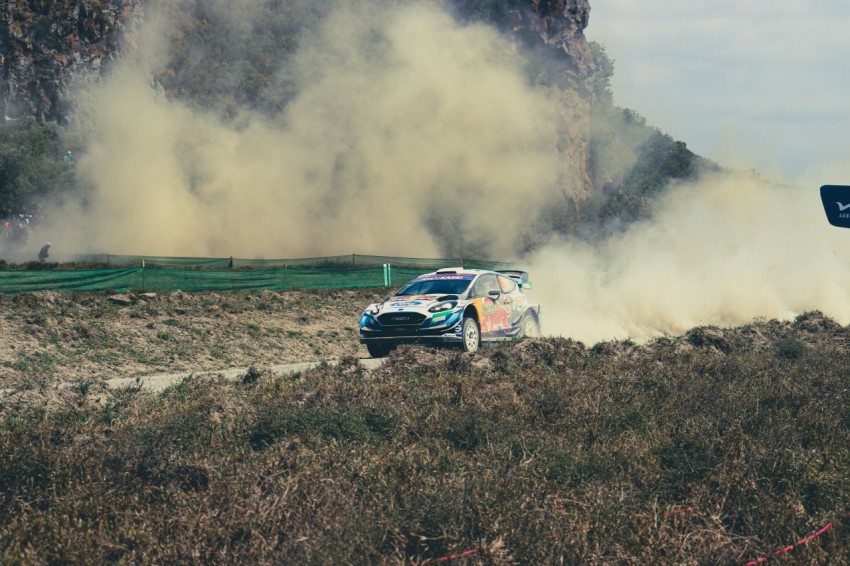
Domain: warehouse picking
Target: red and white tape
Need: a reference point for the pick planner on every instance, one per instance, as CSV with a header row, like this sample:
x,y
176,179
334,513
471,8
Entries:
x,y
820,532
800,542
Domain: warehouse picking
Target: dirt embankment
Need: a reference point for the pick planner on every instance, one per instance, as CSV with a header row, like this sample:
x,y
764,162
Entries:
x,y
52,337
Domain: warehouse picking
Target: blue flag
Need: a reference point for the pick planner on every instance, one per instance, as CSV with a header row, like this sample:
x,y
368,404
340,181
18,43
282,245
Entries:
x,y
836,204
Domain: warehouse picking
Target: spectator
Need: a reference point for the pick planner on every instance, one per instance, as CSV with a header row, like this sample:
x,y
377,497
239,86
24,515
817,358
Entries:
x,y
42,254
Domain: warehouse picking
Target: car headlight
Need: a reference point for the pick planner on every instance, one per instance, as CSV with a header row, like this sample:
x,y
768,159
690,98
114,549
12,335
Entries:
x,y
443,307
373,309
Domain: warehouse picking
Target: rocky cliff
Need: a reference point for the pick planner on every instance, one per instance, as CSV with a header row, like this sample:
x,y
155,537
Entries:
x,y
44,42
559,25
552,32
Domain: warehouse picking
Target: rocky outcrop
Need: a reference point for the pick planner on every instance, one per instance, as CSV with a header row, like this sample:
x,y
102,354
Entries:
x,y
44,42
554,30
551,33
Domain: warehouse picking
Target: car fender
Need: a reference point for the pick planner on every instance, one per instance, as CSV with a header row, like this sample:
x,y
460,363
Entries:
x,y
476,305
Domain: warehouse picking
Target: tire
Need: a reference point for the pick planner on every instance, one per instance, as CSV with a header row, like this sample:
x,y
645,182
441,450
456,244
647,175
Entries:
x,y
530,327
471,333
378,350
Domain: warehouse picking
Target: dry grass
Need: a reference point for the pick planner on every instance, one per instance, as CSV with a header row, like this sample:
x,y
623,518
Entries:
x,y
717,447
52,337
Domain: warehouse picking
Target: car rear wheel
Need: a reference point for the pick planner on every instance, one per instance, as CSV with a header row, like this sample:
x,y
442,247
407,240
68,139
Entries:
x,y
379,350
530,327
471,334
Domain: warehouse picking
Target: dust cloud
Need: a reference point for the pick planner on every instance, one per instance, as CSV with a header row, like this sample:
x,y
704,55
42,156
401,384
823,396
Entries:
x,y
723,251
408,130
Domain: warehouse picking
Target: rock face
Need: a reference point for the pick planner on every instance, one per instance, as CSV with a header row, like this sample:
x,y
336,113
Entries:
x,y
44,42
555,30
551,32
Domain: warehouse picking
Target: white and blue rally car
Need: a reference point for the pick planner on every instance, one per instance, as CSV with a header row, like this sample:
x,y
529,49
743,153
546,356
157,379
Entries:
x,y
457,306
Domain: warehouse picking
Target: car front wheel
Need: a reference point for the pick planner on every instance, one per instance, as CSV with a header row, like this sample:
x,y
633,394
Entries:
x,y
379,350
471,334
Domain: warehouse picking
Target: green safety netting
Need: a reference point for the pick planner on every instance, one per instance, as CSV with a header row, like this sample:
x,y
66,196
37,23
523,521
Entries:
x,y
353,260
151,279
153,261
147,279
153,273
19,281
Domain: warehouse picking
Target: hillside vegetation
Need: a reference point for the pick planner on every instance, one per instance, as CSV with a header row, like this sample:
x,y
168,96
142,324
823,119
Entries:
x,y
717,447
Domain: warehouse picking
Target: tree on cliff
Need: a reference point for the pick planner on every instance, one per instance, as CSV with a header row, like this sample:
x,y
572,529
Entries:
x,y
631,160
31,165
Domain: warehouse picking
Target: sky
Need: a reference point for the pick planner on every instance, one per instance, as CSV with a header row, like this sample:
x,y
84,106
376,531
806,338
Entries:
x,y
750,84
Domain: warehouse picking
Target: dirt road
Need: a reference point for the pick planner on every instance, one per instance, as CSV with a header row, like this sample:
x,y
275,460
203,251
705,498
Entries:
x,y
50,338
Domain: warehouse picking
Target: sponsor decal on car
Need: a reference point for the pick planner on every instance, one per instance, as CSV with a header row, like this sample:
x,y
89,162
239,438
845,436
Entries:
x,y
416,301
439,318
454,276
489,307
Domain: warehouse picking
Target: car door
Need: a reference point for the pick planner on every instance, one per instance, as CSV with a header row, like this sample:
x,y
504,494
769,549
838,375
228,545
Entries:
x,y
514,302
494,311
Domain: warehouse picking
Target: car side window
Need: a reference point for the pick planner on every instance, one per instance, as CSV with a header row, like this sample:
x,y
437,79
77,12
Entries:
x,y
507,284
484,285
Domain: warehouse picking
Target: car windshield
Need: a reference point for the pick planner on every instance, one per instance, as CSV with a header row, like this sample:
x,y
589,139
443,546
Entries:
x,y
442,286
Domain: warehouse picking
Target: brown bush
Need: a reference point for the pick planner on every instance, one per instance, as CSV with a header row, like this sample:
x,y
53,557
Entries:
x,y
705,449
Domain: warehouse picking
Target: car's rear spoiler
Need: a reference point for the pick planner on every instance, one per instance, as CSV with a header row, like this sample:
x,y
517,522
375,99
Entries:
x,y
521,277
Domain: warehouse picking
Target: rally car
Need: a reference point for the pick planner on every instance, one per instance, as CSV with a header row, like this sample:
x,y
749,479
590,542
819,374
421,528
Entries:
x,y
454,306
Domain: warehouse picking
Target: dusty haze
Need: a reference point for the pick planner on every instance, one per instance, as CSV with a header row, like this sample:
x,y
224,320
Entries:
x,y
405,125
724,251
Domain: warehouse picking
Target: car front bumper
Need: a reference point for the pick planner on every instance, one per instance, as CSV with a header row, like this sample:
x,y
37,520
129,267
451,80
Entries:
x,y
426,340
414,335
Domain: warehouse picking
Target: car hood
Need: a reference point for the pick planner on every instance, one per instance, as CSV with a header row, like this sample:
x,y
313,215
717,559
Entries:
x,y
414,302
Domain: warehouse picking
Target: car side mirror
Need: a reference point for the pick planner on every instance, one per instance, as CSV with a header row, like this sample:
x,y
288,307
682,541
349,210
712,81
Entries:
x,y
495,294
525,285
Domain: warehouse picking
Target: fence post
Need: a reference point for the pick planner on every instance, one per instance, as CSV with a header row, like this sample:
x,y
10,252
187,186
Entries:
x,y
389,275
386,282
461,262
